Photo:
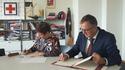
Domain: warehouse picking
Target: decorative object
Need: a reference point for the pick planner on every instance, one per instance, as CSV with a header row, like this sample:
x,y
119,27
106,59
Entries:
x,y
10,8
51,16
68,25
50,3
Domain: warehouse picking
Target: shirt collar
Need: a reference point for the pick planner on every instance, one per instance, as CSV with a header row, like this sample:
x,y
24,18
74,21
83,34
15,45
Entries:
x,y
95,36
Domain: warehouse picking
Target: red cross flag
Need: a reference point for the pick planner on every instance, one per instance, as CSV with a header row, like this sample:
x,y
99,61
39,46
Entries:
x,y
10,8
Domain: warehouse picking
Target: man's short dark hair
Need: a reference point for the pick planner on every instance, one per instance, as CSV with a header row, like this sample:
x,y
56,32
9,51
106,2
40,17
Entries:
x,y
43,27
90,19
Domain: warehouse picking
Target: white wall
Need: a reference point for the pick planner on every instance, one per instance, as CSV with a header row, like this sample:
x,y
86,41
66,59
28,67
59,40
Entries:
x,y
92,7
103,14
114,19
123,31
75,19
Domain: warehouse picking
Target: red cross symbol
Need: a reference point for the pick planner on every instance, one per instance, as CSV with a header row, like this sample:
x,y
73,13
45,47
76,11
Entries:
x,y
10,8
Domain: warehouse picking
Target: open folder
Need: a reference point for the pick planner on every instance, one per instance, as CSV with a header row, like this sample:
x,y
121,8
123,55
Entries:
x,y
84,64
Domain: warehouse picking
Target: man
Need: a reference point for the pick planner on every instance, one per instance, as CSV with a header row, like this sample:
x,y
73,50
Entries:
x,y
103,44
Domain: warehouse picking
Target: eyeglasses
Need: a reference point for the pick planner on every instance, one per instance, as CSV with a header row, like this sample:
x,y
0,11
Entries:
x,y
89,29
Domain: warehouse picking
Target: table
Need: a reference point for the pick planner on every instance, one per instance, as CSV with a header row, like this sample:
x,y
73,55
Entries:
x,y
13,63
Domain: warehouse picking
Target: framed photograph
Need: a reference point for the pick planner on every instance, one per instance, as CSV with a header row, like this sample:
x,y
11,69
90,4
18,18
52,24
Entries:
x,y
50,3
10,8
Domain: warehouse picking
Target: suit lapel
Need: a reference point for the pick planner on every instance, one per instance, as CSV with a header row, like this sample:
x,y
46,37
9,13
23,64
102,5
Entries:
x,y
84,41
97,41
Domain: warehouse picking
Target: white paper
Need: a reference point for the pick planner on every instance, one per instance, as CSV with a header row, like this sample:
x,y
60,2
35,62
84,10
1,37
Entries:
x,y
69,62
84,60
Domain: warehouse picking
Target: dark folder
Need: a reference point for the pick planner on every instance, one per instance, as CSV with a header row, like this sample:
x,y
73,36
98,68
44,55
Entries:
x,y
2,52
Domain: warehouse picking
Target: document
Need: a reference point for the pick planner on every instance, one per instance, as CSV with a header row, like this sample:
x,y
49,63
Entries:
x,y
84,64
84,60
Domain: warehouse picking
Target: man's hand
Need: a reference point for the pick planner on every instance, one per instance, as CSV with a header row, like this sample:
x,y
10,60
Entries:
x,y
98,59
63,57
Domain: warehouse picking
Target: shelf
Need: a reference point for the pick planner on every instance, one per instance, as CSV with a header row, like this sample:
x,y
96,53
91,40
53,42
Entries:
x,y
18,30
53,19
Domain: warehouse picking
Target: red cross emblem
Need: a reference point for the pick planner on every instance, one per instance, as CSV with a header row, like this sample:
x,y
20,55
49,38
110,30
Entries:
x,y
10,8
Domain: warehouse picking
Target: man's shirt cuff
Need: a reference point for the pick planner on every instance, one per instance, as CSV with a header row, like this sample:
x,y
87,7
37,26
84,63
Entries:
x,y
106,61
67,55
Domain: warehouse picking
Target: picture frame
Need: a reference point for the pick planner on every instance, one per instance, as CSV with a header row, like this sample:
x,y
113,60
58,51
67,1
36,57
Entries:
x,y
10,8
50,3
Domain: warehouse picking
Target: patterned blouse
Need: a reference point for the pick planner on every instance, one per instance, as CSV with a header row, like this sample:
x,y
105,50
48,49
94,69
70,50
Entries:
x,y
49,46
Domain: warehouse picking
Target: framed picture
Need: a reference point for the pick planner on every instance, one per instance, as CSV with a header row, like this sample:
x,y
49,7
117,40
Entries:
x,y
50,3
10,8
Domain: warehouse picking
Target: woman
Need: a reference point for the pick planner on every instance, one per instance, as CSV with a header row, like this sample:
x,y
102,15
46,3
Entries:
x,y
47,44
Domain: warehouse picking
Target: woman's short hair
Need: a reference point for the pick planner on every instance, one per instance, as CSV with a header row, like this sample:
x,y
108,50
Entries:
x,y
43,27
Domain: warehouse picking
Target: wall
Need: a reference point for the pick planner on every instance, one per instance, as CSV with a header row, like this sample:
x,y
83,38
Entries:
x,y
90,7
123,30
75,18
114,19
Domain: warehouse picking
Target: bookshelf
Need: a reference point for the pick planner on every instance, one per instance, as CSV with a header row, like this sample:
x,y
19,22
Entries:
x,y
11,29
57,27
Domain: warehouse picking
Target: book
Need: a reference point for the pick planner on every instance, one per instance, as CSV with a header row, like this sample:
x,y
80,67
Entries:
x,y
83,64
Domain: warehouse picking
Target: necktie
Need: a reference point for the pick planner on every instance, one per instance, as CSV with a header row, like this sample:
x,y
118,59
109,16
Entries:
x,y
89,49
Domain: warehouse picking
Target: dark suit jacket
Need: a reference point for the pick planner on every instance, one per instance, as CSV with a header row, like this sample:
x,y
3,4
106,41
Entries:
x,y
105,45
